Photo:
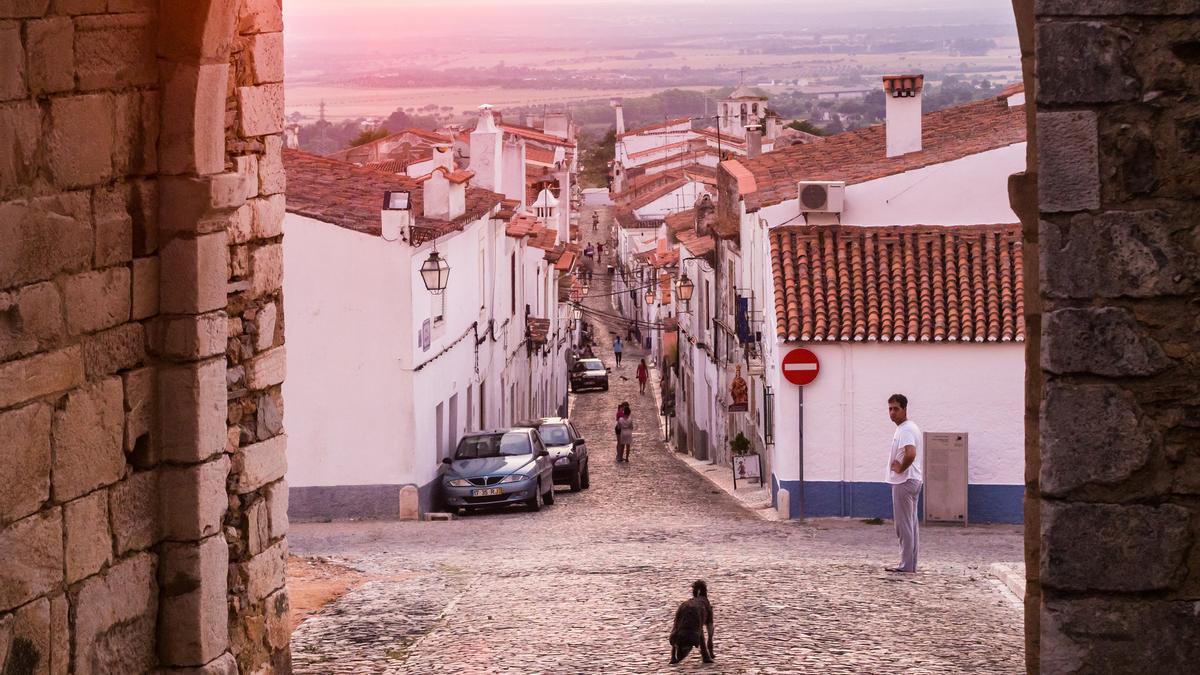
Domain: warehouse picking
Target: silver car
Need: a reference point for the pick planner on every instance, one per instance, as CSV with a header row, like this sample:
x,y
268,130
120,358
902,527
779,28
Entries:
x,y
497,468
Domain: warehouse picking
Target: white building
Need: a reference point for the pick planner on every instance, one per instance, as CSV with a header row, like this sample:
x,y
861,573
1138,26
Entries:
x,y
885,212
383,375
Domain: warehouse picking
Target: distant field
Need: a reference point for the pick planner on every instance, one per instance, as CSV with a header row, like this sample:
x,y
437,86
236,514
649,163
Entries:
x,y
351,102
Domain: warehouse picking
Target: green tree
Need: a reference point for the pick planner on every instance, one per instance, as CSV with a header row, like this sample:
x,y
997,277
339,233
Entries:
x,y
368,136
596,158
807,127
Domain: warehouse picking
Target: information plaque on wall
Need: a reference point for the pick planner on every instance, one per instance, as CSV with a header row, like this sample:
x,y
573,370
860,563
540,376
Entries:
x,y
946,477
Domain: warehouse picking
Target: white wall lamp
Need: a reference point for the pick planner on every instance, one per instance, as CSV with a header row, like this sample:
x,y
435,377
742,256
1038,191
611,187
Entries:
x,y
435,272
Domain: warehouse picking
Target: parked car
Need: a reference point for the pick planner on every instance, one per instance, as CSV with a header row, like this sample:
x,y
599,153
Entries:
x,y
589,374
568,451
497,468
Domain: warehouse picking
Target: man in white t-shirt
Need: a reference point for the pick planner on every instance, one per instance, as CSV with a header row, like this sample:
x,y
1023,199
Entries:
x,y
904,475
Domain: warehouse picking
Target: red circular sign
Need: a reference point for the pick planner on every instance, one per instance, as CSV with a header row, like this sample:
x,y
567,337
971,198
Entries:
x,y
800,367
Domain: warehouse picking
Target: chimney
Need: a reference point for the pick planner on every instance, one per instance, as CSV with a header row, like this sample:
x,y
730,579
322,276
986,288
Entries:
x,y
753,141
485,151
396,216
903,93
616,104
443,156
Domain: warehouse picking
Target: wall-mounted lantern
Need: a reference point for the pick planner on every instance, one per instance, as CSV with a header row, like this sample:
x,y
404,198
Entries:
x,y
685,287
435,272
649,296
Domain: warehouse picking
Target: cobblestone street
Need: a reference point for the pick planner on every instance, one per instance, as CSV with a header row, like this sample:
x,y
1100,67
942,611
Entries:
x,y
590,584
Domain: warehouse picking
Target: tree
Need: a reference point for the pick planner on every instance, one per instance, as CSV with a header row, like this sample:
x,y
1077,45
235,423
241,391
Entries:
x,y
368,136
596,159
807,127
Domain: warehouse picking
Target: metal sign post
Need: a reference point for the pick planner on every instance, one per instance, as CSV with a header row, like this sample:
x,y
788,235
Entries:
x,y
800,367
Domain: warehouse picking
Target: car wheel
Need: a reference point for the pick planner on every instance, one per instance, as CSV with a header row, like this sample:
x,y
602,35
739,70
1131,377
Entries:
x,y
550,494
586,481
577,479
535,504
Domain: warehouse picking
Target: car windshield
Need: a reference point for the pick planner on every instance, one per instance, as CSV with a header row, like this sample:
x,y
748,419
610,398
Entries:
x,y
554,434
590,364
493,445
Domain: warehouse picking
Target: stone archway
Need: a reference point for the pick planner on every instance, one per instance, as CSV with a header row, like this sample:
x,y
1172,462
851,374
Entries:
x,y
142,512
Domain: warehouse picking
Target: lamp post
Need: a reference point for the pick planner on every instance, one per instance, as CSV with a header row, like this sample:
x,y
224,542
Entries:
x,y
435,272
684,288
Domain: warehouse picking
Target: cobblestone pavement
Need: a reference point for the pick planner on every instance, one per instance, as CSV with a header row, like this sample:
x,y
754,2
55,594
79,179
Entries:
x,y
590,584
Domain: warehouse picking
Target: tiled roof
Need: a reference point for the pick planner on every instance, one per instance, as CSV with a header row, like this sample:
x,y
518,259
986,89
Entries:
x,y
538,155
531,134
725,139
861,155
682,159
648,197
656,126
680,221
904,283
565,261
521,225
658,148
696,244
424,137
351,196
508,209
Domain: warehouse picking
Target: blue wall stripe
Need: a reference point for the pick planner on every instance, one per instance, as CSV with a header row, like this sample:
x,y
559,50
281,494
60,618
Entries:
x,y
985,503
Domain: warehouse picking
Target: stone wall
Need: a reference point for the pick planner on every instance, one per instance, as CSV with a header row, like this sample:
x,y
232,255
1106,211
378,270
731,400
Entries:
x,y
142,507
1117,492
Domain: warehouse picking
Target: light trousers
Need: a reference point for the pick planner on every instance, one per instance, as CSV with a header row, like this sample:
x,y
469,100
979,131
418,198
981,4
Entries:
x,y
904,511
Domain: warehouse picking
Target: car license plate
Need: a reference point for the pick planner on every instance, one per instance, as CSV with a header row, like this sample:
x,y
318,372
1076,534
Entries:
x,y
486,492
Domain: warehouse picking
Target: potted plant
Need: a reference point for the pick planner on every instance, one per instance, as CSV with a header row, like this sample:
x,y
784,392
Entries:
x,y
740,445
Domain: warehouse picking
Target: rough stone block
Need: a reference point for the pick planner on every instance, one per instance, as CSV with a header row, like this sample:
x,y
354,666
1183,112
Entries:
x,y
1102,73
135,148
194,625
97,300
25,639
115,618
192,407
192,500
1126,547
247,171
268,216
261,109
30,320
20,136
193,117
1127,253
39,375
82,137
41,241
1104,341
239,262
13,83
89,546
260,16
60,635
1091,434
1118,635
133,507
179,18
195,337
263,574
77,7
191,205
114,225
277,503
25,461
258,526
87,432
267,369
266,265
50,49
225,664
1116,7
140,386
264,338
114,350
32,551
272,179
240,227
144,210
115,51
145,282
23,9
266,57
193,274
410,503
269,416
1068,161
260,463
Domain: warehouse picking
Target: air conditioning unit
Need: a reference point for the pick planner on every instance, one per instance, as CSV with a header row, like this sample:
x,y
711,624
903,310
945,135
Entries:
x,y
821,196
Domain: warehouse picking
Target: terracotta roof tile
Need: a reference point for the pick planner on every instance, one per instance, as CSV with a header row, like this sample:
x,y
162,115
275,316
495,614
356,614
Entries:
x,y
696,244
682,159
911,283
648,197
351,196
656,127
534,154
532,134
861,155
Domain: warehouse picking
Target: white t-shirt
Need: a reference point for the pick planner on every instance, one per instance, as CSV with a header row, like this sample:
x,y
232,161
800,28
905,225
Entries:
x,y
907,433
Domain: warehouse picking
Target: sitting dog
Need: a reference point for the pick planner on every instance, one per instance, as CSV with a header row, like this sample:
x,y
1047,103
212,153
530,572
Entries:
x,y
690,619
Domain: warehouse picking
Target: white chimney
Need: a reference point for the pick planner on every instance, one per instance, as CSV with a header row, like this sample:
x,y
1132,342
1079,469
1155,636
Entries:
x,y
558,124
903,93
443,156
485,151
616,104
753,141
396,216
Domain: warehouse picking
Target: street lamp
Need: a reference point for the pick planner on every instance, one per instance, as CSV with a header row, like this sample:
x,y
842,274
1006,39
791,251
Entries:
x,y
684,288
435,272
577,314
649,296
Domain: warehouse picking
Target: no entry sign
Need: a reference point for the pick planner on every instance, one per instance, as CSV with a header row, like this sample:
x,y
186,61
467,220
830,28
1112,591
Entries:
x,y
800,367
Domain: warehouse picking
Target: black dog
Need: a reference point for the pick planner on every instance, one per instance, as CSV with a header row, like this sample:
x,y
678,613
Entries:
x,y
690,619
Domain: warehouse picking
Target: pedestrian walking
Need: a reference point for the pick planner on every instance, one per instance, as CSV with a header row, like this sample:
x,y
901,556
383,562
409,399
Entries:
x,y
624,433
595,220
905,459
643,374
621,408
589,251
600,251
617,349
